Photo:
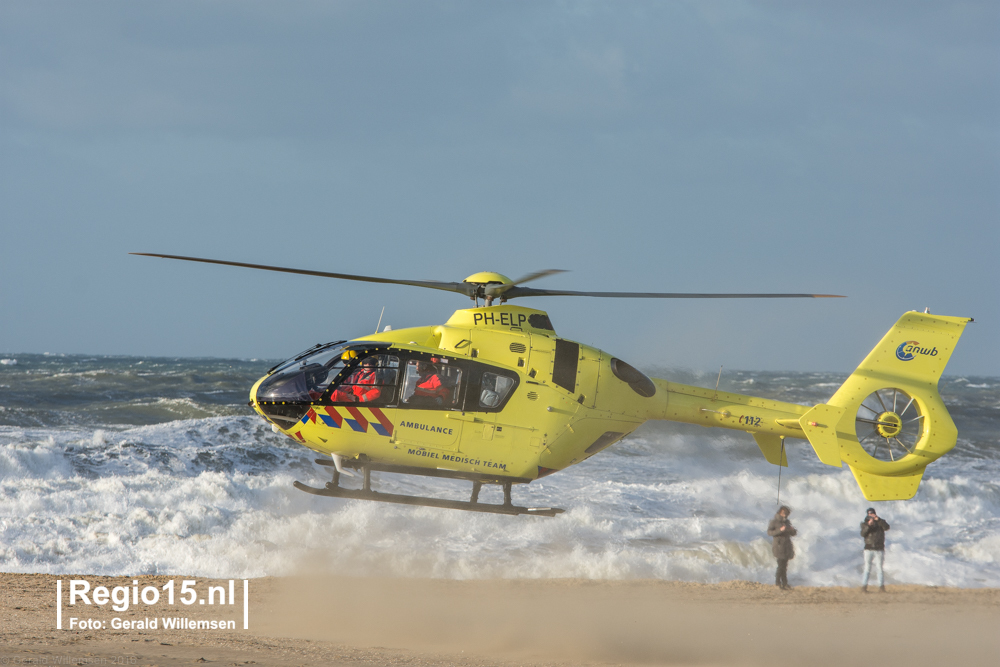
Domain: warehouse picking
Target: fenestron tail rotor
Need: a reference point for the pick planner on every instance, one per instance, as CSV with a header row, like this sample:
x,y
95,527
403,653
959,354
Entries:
x,y
490,286
889,424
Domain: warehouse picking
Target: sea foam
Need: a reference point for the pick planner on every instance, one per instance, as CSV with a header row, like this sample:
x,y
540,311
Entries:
x,y
105,488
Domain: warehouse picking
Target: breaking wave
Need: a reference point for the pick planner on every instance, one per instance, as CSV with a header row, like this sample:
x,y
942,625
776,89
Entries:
x,y
122,466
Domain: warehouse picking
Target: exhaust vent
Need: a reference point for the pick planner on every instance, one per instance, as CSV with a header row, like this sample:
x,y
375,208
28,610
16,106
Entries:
x,y
518,348
532,395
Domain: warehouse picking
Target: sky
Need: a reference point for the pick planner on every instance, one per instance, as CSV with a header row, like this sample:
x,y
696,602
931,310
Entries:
x,y
849,148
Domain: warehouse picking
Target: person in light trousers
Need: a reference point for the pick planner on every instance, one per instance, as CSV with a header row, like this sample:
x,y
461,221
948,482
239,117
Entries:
x,y
873,530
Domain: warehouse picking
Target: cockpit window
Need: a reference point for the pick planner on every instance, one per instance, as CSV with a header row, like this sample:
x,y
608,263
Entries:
x,y
319,347
373,381
431,384
494,389
304,379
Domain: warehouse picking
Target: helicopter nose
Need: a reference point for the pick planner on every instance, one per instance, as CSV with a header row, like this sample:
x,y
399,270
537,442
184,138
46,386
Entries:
x,y
253,392
253,396
277,398
254,403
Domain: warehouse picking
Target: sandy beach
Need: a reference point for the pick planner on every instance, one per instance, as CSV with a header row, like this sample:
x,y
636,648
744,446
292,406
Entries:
x,y
322,620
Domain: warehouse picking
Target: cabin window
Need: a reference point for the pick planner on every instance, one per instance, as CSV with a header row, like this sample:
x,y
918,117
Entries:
x,y
373,380
494,389
431,384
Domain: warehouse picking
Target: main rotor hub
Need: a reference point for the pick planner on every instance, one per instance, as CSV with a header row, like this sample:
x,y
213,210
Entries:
x,y
488,278
889,424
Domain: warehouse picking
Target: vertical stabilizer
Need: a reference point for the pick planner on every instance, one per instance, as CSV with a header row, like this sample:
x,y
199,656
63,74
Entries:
x,y
887,421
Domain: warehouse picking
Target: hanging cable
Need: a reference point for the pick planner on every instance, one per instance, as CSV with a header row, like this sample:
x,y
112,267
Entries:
x,y
781,458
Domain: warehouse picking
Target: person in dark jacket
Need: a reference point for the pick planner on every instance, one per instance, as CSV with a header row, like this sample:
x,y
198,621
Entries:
x,y
780,528
873,530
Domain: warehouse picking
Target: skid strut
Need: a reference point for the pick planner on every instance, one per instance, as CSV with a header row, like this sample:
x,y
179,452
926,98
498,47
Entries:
x,y
334,490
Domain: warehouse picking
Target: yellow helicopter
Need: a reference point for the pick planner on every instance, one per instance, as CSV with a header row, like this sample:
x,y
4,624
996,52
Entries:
x,y
495,396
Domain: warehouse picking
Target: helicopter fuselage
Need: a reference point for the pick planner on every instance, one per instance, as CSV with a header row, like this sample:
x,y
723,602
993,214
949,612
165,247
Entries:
x,y
493,395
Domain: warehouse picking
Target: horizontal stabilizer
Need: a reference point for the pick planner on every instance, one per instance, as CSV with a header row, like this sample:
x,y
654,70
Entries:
x,y
820,426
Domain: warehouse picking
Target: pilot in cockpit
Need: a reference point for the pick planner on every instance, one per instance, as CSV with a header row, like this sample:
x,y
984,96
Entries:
x,y
361,385
365,380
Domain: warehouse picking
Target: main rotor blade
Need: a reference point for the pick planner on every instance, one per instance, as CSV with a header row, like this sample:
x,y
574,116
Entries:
x,y
536,275
516,292
461,288
498,290
511,291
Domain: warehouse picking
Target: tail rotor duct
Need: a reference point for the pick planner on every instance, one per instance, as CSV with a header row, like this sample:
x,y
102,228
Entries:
x,y
889,423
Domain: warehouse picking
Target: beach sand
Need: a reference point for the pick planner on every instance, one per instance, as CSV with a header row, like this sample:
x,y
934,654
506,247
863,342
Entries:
x,y
323,620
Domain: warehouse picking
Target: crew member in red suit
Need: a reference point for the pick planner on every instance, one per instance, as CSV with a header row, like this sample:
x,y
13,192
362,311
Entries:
x,y
364,378
429,383
359,386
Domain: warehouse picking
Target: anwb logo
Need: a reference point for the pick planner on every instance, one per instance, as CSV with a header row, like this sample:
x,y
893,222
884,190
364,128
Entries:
x,y
908,350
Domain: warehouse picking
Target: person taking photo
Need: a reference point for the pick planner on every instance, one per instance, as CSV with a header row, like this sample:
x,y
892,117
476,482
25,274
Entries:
x,y
873,530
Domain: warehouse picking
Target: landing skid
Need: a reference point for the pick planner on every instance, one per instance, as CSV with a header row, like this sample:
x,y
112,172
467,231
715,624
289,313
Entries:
x,y
334,490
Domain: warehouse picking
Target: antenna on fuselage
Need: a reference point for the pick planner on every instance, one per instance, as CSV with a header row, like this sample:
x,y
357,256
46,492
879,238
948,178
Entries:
x,y
380,319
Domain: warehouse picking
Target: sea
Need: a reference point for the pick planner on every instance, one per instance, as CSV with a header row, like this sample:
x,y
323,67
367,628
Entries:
x,y
125,466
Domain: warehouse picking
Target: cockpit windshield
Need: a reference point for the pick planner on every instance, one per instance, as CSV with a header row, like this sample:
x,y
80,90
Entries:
x,y
304,378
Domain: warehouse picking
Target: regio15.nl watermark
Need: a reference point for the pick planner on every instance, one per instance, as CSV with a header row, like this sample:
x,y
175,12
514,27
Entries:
x,y
83,598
